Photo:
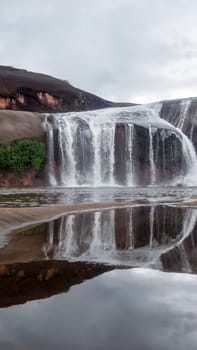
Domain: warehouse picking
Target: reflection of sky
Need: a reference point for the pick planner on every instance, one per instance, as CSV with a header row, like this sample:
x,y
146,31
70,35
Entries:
x,y
136,309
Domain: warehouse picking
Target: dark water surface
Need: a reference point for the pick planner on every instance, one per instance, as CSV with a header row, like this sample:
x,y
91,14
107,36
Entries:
x,y
137,309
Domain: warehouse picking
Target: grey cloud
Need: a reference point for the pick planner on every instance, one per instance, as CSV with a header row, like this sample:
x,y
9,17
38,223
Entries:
x,y
120,49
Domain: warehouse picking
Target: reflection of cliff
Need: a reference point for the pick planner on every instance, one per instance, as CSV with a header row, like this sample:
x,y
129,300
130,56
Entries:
x,y
23,282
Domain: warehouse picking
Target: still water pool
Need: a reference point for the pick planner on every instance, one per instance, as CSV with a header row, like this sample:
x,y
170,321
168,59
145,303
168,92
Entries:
x,y
137,309
120,278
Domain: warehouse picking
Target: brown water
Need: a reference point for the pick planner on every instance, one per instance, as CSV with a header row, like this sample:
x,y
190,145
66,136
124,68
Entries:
x,y
110,279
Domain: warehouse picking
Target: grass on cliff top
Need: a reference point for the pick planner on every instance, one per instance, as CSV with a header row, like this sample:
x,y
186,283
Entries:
x,y
22,153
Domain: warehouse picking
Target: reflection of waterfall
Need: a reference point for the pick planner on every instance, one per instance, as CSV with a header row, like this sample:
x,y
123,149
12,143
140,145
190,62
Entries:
x,y
132,236
188,223
188,227
152,212
129,149
184,259
178,256
115,147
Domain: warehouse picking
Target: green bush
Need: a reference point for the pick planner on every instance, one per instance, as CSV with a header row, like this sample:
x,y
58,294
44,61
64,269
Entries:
x,y
22,153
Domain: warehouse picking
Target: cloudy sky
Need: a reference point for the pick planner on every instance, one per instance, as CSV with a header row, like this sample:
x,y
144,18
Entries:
x,y
124,50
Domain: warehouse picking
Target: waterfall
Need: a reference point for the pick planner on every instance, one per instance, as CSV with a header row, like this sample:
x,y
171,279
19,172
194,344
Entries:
x,y
183,113
50,145
151,157
190,158
120,146
129,149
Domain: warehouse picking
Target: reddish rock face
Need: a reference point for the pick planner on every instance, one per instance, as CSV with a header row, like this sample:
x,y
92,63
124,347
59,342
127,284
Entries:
x,y
27,178
27,91
4,102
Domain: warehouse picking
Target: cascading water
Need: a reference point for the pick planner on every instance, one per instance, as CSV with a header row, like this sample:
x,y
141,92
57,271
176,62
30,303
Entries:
x,y
120,146
151,157
182,113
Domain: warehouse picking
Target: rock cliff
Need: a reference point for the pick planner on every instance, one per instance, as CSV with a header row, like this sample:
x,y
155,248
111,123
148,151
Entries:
x,y
28,91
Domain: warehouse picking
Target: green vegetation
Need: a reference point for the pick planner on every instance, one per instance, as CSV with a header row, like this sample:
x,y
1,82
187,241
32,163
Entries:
x,y
22,153
35,230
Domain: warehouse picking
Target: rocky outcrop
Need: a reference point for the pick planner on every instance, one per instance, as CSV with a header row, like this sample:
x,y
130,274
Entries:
x,y
27,178
27,91
17,126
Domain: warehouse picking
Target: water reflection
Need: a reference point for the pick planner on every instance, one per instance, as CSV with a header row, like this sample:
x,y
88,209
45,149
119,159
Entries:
x,y
137,236
163,237
21,282
138,309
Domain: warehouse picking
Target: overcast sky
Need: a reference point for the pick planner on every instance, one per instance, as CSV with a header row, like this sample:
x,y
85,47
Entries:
x,y
124,50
